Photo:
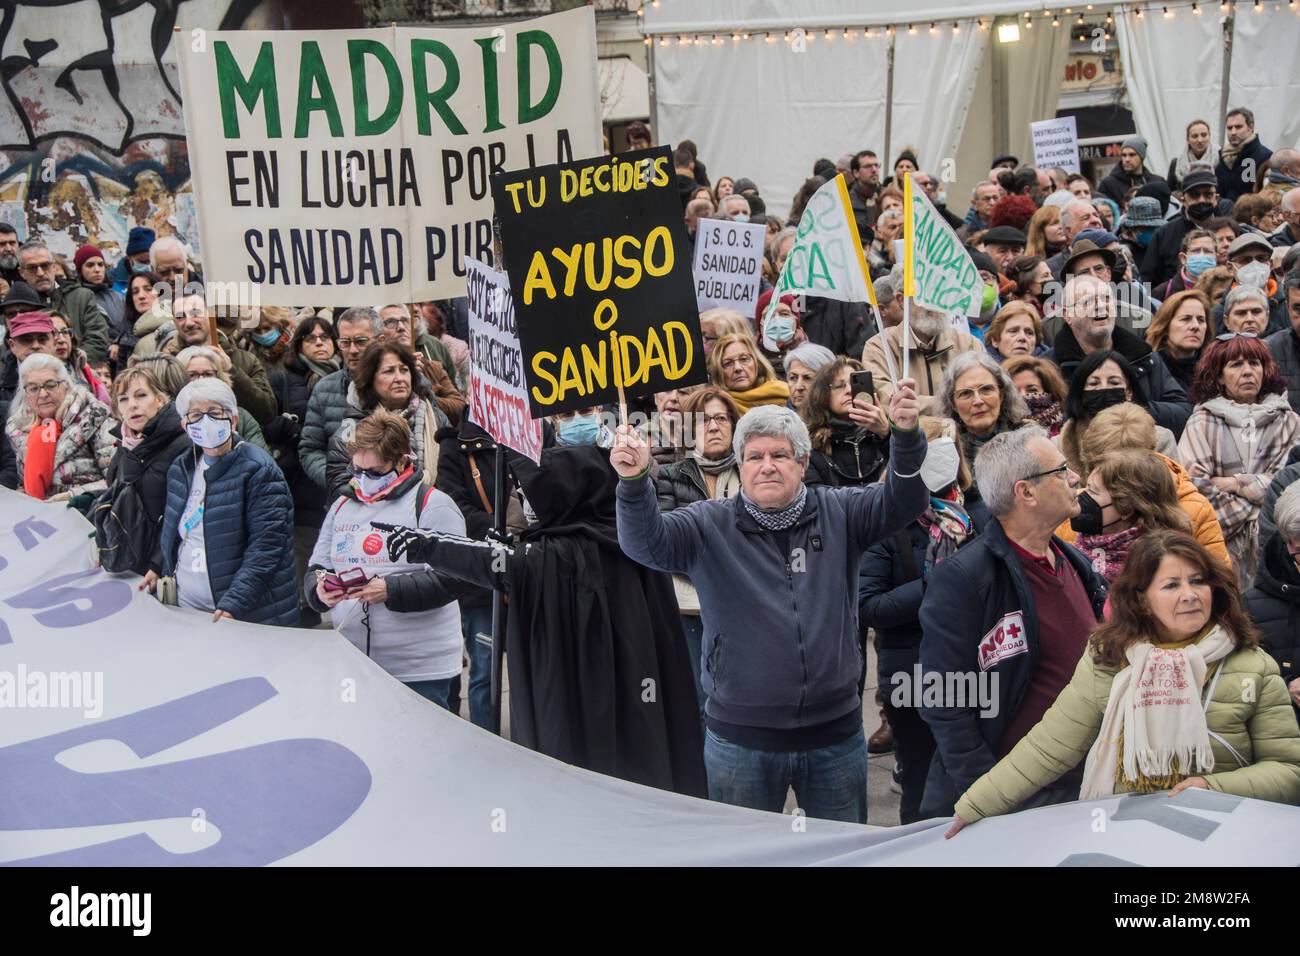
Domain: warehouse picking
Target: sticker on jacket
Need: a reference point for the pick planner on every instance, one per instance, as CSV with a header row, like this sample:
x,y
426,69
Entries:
x,y
1007,639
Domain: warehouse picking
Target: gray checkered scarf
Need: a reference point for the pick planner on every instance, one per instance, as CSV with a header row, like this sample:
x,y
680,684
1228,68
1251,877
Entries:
x,y
777,520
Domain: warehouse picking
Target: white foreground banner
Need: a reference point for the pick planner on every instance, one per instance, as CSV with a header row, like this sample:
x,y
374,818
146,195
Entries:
x,y
137,735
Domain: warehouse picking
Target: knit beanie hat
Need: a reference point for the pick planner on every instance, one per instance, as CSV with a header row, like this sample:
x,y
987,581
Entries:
x,y
1136,143
86,252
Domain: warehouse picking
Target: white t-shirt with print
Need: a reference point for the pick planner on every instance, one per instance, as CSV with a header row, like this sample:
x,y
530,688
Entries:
x,y
193,586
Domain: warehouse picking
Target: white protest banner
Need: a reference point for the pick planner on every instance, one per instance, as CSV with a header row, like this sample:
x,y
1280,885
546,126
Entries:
x,y
1056,143
728,265
133,734
938,272
826,258
353,166
498,394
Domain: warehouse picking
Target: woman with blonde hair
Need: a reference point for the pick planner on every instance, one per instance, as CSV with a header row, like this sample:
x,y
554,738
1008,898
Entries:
x,y
1128,427
1045,235
1178,332
1128,493
715,323
739,368
1172,693
1016,330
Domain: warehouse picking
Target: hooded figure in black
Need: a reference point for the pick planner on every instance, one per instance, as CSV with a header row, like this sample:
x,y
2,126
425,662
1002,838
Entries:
x,y
599,675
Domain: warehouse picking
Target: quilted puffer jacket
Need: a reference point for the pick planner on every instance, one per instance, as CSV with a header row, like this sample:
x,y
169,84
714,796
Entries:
x,y
248,533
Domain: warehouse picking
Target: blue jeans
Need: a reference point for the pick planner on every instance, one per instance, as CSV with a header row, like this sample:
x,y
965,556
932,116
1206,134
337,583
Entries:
x,y
438,691
693,625
475,621
830,783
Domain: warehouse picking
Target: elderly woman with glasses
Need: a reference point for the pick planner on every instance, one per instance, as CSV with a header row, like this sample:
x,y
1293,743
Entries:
x,y
980,398
227,534
202,361
1239,435
55,430
740,369
66,348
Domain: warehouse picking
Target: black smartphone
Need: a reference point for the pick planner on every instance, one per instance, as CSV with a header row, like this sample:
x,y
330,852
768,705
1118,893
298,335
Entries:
x,y
862,387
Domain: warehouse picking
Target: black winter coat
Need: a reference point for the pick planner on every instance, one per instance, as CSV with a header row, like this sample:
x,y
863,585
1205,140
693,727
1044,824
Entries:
x,y
1164,397
1285,349
1234,182
462,450
284,432
1274,605
842,327
1114,186
146,466
8,460
966,597
8,378
856,457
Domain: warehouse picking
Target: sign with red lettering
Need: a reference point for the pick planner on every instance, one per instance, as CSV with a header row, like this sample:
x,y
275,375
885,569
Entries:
x,y
1006,639
498,396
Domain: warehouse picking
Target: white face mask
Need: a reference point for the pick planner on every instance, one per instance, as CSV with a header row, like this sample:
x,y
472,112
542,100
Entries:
x,y
208,432
939,470
1254,274
370,487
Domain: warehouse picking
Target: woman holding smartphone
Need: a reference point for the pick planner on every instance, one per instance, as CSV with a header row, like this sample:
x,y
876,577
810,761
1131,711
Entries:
x,y
402,615
849,430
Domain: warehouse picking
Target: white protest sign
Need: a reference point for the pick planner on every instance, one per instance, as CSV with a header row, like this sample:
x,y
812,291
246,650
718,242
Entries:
x,y
728,264
1056,143
353,167
938,272
498,394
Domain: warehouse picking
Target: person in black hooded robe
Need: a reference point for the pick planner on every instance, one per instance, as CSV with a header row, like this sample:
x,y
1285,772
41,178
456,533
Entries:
x,y
598,665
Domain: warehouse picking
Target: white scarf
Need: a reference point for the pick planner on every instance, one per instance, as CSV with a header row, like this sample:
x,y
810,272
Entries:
x,y
1185,161
1246,423
1155,708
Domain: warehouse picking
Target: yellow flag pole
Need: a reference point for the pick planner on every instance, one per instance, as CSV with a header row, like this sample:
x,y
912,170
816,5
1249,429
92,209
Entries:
x,y
866,276
909,273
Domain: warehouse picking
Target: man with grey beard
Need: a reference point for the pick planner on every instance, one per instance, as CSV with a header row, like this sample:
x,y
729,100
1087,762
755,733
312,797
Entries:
x,y
934,344
9,253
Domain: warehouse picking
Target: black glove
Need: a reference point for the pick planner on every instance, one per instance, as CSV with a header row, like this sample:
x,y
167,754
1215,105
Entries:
x,y
404,543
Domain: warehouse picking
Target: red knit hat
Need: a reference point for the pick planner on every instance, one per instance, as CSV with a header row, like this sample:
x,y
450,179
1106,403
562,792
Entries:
x,y
86,252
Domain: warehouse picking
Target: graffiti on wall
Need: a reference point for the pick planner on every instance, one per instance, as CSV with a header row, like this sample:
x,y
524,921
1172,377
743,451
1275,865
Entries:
x,y
92,135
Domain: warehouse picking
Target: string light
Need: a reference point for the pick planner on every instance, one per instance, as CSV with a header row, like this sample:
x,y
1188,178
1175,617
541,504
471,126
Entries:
x,y
1029,24
933,29
1139,13
648,41
955,29
1080,20
1196,11
1055,22
830,34
911,29
1168,15
1257,6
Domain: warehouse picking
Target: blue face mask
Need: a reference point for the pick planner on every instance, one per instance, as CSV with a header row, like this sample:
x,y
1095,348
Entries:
x,y
139,268
1198,262
1143,237
579,430
740,217
779,328
269,337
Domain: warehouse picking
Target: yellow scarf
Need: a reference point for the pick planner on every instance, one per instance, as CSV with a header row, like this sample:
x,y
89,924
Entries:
x,y
771,392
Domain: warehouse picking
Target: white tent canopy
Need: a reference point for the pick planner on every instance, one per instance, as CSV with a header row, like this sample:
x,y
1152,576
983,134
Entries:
x,y
766,107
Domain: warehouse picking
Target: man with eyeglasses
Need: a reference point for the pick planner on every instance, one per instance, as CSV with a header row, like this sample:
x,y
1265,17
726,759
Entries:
x,y
775,569
247,374
171,263
26,332
1089,309
1009,614
36,265
1160,263
328,405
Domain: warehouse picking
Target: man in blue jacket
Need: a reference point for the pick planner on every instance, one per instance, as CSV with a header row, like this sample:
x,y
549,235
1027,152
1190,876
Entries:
x,y
776,572
1009,614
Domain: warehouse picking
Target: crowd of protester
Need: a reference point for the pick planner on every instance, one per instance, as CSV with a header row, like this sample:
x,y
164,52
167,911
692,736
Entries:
x,y
1093,481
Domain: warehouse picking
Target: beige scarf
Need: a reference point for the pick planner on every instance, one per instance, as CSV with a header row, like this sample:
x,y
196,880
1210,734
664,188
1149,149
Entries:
x,y
1155,710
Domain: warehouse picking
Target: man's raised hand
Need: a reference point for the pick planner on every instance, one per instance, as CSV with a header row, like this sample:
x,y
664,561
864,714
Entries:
x,y
630,455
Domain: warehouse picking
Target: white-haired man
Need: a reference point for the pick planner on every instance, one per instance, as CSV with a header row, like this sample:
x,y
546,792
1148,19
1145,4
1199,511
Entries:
x,y
775,569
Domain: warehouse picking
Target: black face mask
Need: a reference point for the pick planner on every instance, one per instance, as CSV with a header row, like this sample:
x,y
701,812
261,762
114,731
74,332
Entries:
x,y
1200,211
1088,520
1099,399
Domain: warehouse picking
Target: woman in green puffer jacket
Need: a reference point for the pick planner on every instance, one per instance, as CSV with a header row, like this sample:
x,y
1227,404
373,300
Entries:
x,y
1173,692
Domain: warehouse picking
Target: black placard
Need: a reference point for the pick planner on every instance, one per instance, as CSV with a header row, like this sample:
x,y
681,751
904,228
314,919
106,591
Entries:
x,y
592,248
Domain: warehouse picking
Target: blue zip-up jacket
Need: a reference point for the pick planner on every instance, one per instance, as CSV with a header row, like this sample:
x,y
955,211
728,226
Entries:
x,y
780,646
247,532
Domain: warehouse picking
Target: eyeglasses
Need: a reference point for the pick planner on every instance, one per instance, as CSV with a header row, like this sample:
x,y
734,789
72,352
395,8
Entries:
x,y
739,360
719,420
351,343
1241,258
194,417
396,323
1047,474
968,394
320,338
39,266
165,271
1229,336
204,373
356,472
63,333
43,388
